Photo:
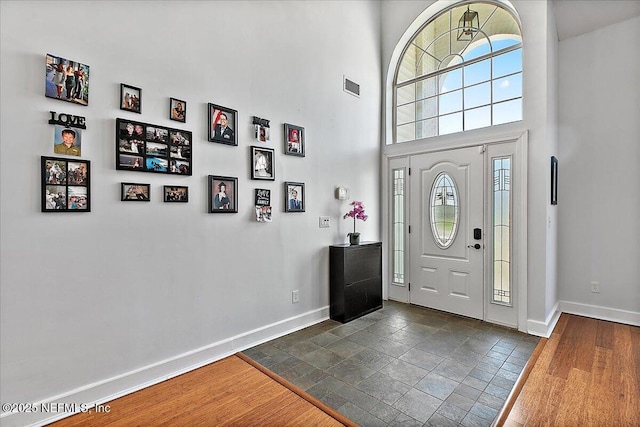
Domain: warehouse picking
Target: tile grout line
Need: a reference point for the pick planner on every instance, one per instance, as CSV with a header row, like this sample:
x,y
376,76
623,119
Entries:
x,y
386,322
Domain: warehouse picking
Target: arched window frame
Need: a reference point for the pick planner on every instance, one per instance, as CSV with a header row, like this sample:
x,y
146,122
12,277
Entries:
x,y
456,64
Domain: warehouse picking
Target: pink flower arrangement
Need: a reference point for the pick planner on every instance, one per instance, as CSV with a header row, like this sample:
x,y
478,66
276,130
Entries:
x,y
356,213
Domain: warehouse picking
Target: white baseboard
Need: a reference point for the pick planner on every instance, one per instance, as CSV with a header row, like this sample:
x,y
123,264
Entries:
x,y
602,313
112,388
544,329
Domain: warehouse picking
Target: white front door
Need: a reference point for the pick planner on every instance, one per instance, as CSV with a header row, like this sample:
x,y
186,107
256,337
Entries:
x,y
446,205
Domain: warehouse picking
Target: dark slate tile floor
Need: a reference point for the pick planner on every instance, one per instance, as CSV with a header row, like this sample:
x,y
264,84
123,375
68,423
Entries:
x,y
403,365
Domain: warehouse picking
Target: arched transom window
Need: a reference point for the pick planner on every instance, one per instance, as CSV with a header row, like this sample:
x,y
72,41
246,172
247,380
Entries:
x,y
461,71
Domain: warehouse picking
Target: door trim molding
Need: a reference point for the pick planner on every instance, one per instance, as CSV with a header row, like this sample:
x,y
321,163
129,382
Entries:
x,y
520,212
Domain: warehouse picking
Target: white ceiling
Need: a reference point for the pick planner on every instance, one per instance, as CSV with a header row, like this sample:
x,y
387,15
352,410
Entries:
x,y
575,17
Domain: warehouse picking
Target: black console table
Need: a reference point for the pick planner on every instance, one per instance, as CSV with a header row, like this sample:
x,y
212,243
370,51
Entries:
x,y
355,280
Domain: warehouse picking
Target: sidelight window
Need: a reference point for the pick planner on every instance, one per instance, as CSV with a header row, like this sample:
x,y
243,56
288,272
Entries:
x,y
502,230
397,264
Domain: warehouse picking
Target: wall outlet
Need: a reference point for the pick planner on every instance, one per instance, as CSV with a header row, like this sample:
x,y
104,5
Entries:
x,y
295,297
595,287
324,222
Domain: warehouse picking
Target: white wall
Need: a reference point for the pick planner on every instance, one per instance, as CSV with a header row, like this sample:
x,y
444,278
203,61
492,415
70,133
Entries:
x,y
539,109
599,177
538,69
92,296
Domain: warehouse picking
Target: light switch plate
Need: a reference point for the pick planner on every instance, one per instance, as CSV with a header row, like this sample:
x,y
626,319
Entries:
x,y
324,222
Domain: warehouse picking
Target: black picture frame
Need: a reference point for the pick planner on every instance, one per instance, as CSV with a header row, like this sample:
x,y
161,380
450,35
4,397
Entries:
x,y
175,194
263,197
220,131
65,184
73,86
130,98
554,180
261,130
145,147
135,192
263,166
294,140
229,202
263,204
178,110
294,202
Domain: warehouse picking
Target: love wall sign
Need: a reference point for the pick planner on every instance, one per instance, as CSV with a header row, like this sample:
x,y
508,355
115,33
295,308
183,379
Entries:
x,y
67,120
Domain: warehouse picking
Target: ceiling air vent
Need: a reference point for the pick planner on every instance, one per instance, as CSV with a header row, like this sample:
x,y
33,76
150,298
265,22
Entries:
x,y
351,87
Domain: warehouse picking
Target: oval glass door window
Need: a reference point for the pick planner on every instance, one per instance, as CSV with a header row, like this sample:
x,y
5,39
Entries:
x,y
445,210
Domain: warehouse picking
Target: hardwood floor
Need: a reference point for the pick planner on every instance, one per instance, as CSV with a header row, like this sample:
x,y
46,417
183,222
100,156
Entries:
x,y
230,392
587,374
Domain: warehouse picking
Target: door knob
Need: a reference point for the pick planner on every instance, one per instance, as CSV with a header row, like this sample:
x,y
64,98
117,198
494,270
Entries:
x,y
476,246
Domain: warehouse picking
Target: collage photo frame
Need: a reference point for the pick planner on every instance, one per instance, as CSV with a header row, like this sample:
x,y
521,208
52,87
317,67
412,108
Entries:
x,y
143,147
65,184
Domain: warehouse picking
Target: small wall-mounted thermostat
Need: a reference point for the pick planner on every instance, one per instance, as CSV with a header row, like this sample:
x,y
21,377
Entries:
x,y
342,193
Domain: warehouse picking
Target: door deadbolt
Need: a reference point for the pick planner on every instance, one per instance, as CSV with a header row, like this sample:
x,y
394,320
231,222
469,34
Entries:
x,y
477,234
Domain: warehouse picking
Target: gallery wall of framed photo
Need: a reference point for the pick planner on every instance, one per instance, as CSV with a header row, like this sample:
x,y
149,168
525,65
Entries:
x,y
156,148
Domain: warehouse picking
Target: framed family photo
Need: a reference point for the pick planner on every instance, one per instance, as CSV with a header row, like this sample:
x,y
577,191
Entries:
x,y
176,194
67,141
177,110
223,194
67,80
145,147
65,185
294,140
261,131
130,98
263,205
222,124
263,163
294,197
135,192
